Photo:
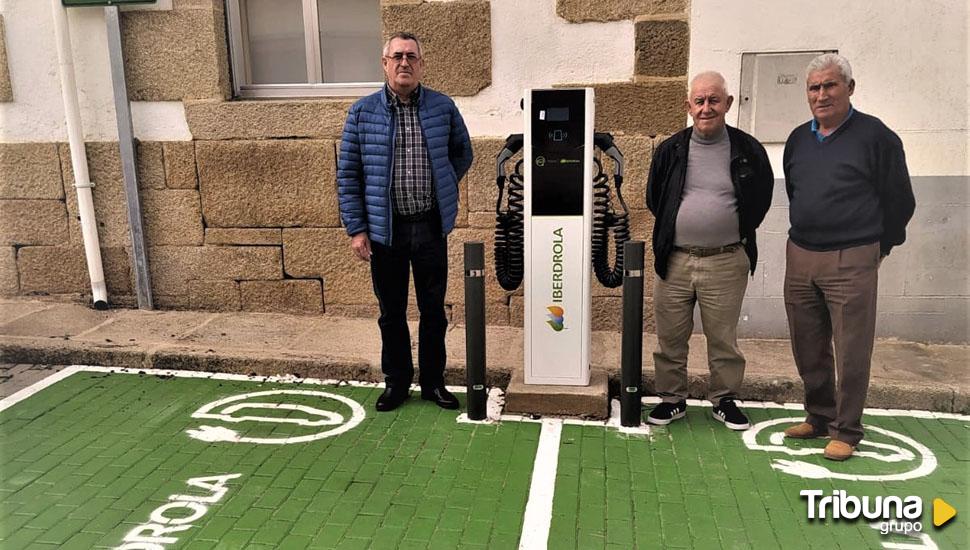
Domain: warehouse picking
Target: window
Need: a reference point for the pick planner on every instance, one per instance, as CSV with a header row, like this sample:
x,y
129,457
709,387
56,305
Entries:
x,y
300,48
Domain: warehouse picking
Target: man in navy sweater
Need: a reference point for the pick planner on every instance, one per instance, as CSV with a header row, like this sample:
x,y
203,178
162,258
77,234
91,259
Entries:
x,y
850,200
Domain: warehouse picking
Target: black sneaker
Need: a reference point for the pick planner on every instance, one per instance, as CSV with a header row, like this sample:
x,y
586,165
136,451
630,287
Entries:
x,y
729,413
665,413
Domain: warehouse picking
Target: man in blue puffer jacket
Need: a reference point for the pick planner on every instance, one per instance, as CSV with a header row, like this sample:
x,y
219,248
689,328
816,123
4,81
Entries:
x,y
403,152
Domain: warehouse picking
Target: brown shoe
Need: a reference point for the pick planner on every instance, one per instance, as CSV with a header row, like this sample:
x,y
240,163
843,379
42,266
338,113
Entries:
x,y
838,450
804,431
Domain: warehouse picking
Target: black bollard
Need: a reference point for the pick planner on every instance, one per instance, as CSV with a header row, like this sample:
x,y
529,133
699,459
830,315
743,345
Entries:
x,y
631,362
475,329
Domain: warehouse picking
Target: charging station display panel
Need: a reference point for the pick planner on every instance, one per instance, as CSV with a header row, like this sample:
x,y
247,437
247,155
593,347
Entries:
x,y
558,122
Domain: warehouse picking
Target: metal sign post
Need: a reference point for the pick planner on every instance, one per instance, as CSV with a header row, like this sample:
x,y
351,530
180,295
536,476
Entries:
x,y
126,140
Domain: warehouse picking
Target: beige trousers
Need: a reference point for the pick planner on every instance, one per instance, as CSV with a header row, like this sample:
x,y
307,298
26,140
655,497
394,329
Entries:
x,y
717,284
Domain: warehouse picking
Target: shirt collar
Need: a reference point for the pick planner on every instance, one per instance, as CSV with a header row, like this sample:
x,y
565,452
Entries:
x,y
394,100
819,136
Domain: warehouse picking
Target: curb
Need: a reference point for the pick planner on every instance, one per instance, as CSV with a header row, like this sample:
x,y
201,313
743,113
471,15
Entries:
x,y
932,397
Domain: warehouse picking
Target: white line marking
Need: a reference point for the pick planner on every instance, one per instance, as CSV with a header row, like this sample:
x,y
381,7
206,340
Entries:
x,y
19,396
800,407
538,511
290,379
281,379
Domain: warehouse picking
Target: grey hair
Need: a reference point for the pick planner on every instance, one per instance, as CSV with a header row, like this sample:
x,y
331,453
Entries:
x,y
827,60
402,36
709,75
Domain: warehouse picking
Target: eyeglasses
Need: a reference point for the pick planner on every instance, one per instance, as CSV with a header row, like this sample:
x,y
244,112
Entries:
x,y
400,56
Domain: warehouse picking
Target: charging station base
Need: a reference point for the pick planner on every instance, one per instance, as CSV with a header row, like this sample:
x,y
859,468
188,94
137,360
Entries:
x,y
590,401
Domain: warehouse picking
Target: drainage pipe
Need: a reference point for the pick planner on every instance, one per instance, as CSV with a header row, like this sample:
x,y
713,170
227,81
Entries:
x,y
79,162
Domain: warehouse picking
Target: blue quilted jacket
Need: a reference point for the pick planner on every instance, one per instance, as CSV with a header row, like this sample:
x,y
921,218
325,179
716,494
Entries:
x,y
367,158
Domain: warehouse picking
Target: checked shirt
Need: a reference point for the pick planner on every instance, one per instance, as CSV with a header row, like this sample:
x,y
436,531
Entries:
x,y
412,191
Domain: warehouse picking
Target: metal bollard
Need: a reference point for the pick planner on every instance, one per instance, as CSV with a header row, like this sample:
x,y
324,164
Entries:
x,y
631,362
475,329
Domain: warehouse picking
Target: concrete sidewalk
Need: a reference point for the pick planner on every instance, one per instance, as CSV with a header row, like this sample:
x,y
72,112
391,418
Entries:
x,y
905,375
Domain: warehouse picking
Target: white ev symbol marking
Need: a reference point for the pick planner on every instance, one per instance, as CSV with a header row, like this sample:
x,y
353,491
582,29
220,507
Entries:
x,y
927,460
315,417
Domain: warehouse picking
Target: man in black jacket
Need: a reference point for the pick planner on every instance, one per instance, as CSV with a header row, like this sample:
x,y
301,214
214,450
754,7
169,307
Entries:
x,y
709,188
851,198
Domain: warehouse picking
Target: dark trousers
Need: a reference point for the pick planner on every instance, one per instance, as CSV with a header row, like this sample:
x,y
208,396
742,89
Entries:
x,y
831,296
417,246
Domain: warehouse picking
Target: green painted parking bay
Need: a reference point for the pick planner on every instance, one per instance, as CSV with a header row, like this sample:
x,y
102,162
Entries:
x,y
94,458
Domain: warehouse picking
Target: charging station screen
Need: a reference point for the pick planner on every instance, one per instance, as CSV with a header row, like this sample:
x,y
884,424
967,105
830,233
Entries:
x,y
558,126
556,114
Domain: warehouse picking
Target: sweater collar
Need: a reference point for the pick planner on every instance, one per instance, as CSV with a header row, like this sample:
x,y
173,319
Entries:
x,y
819,136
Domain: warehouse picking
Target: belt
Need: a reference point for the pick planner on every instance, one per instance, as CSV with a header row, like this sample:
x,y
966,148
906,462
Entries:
x,y
702,252
417,217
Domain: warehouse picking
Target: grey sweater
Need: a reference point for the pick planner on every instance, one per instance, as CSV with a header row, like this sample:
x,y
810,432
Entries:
x,y
708,214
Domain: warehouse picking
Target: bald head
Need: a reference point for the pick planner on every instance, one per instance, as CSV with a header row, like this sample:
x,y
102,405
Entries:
x,y
709,78
708,102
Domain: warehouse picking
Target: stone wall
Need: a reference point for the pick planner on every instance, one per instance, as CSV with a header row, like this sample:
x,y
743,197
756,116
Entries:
x,y
6,91
176,54
245,217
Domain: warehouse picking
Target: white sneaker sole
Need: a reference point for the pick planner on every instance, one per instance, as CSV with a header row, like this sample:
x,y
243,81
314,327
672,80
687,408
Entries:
x,y
731,425
665,421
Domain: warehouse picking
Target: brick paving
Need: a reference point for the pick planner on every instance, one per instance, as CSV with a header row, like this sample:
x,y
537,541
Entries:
x,y
695,484
92,459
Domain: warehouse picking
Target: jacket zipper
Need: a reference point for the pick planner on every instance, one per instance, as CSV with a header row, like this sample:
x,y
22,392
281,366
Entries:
x,y
390,172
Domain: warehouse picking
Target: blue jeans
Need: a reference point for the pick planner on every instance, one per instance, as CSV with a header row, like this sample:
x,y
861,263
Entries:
x,y
420,247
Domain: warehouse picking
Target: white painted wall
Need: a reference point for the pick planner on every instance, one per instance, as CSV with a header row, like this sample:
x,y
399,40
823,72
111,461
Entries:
x,y
532,47
37,112
909,60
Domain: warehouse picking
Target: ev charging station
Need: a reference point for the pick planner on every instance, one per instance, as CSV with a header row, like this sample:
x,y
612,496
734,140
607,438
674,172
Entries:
x,y
555,229
558,155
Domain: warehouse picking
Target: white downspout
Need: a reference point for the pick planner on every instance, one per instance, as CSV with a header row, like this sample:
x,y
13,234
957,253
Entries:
x,y
79,162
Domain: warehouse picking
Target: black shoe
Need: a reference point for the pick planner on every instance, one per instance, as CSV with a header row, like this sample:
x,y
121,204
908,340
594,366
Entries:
x,y
729,413
665,413
392,398
442,397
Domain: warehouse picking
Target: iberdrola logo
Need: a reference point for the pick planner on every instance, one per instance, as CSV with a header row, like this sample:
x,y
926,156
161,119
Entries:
x,y
555,318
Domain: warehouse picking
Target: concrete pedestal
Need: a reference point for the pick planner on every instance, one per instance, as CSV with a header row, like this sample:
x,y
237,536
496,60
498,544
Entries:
x,y
590,401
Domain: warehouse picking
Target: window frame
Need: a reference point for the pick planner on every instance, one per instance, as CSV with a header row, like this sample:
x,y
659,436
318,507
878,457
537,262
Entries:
x,y
239,60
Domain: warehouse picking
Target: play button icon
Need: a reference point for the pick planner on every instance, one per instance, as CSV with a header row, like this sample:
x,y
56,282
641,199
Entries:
x,y
942,512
